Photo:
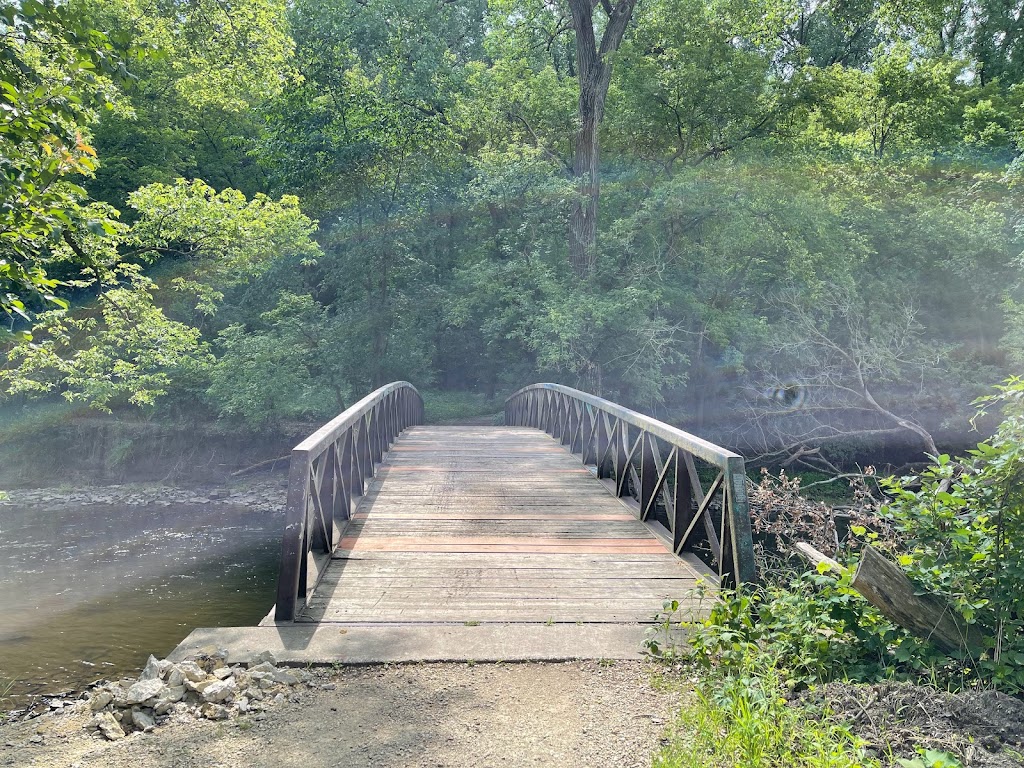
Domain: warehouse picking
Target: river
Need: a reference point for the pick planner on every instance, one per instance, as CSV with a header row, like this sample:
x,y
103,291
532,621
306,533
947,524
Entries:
x,y
89,592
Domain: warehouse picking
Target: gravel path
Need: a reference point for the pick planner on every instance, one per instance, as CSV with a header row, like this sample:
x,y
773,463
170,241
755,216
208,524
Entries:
x,y
437,715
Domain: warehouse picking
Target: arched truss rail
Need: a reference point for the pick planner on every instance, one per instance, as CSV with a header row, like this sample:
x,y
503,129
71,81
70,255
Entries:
x,y
651,463
329,471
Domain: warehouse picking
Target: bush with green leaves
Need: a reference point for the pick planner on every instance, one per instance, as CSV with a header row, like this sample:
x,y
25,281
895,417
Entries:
x,y
749,663
956,529
961,528
813,628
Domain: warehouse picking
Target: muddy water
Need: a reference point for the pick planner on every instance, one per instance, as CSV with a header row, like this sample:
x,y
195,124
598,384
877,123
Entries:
x,y
90,592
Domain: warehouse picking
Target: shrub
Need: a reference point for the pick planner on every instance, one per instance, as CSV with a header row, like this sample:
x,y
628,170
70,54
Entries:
x,y
962,529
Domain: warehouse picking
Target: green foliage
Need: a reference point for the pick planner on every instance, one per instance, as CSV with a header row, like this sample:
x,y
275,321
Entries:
x,y
125,349
962,526
771,170
288,368
229,239
745,708
129,352
452,407
54,79
812,627
931,758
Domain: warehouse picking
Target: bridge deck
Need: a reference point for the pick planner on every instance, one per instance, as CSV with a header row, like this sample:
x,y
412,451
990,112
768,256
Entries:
x,y
494,524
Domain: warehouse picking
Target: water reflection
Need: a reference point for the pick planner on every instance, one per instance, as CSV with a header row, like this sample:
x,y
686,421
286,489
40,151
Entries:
x,y
89,592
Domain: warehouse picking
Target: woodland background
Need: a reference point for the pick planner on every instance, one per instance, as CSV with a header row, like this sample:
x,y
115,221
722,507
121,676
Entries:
x,y
793,227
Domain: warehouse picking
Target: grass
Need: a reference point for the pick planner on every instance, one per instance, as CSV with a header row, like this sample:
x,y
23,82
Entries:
x,y
447,407
731,721
18,421
5,688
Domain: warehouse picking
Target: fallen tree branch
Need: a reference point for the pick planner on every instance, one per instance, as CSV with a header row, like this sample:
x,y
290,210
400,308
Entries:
x,y
260,465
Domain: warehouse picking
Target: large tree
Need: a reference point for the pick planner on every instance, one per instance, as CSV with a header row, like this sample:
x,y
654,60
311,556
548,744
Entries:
x,y
594,72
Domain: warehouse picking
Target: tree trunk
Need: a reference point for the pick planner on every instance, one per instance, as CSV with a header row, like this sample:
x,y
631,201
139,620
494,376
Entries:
x,y
928,616
594,75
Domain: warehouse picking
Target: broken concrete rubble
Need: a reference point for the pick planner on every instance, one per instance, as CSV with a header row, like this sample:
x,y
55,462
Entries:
x,y
205,686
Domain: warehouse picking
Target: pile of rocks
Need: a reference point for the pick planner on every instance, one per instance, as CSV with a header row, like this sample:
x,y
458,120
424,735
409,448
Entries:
x,y
204,687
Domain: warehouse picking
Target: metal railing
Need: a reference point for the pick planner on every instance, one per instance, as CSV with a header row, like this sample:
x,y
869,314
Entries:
x,y
328,473
627,449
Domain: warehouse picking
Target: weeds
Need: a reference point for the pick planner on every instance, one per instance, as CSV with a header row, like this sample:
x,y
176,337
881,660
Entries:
x,y
742,718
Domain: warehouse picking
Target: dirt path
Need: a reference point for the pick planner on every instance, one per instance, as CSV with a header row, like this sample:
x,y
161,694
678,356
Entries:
x,y
437,715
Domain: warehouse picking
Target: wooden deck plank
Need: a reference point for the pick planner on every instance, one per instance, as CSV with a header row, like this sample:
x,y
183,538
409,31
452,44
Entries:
x,y
494,524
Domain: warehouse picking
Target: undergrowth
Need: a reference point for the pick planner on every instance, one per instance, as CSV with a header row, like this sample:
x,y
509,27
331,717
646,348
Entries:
x,y
442,407
743,719
956,530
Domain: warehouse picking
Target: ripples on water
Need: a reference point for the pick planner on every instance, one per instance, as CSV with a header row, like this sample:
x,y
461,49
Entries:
x,y
89,592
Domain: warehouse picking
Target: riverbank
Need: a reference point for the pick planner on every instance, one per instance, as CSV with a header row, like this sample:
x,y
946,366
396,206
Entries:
x,y
454,715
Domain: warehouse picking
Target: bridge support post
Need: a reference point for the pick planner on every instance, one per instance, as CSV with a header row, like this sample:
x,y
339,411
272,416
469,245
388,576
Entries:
x,y
740,541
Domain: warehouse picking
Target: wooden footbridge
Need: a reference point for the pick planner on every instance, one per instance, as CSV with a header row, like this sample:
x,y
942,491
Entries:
x,y
576,520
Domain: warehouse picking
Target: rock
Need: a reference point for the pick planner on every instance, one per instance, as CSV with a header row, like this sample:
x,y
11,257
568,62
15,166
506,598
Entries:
x,y
142,720
155,668
168,699
37,739
119,695
174,693
201,686
287,677
222,673
144,690
242,704
265,667
192,671
220,690
175,677
109,727
264,657
214,712
279,699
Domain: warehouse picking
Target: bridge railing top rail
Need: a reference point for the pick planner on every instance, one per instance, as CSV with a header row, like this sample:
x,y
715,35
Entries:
x,y
336,427
697,446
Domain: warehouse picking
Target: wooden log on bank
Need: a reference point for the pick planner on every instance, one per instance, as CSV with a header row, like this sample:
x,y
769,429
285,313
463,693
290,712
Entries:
x,y
928,616
816,558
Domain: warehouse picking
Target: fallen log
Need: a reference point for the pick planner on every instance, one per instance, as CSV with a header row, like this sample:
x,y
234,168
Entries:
x,y
816,558
930,617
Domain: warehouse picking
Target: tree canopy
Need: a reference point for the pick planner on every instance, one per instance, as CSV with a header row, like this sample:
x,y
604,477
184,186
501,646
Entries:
x,y
262,209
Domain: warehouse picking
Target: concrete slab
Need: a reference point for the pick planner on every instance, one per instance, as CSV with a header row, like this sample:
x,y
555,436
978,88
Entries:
x,y
299,644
